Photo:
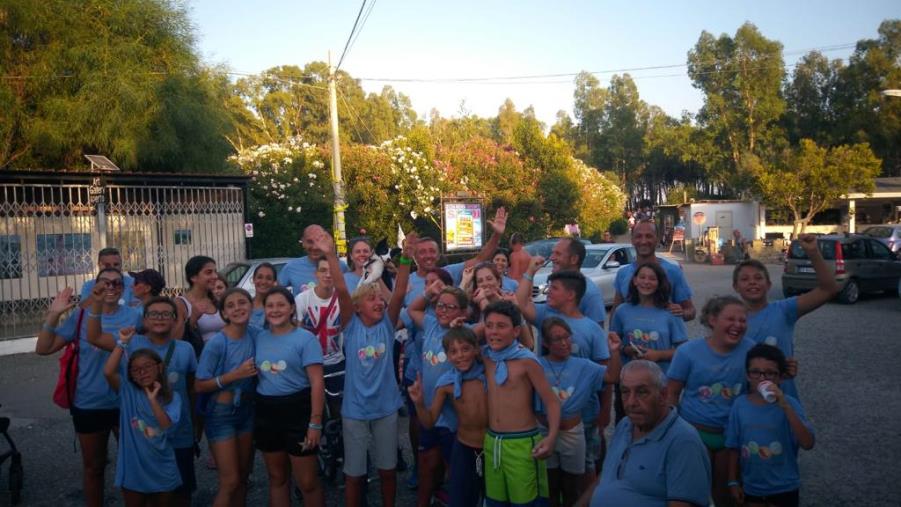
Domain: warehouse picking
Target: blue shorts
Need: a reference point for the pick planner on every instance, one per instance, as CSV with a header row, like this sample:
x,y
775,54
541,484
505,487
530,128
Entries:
x,y
466,482
228,421
438,436
184,458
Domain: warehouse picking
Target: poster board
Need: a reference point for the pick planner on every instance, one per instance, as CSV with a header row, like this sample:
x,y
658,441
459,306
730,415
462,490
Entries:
x,y
463,221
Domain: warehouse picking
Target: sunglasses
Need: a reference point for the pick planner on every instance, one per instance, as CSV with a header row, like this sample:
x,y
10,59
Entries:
x,y
111,283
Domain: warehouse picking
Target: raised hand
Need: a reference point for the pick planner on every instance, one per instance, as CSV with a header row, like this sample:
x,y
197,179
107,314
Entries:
x,y
535,264
415,390
458,322
324,243
499,224
431,292
98,290
808,243
63,302
126,334
410,241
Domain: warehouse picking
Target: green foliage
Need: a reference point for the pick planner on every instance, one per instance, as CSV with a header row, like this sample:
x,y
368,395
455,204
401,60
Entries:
x,y
619,226
104,76
810,178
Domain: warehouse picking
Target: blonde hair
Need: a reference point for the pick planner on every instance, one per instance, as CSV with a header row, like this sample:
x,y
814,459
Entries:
x,y
364,290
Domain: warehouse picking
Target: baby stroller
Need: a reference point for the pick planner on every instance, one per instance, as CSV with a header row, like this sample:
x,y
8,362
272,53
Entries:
x,y
16,473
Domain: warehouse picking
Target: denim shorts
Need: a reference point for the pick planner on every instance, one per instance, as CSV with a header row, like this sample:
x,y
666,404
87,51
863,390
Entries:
x,y
228,421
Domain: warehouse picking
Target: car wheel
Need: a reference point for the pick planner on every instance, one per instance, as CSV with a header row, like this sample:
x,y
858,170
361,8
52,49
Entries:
x,y
851,293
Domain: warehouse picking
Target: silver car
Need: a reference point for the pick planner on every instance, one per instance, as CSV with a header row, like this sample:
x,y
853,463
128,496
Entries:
x,y
240,274
888,235
601,263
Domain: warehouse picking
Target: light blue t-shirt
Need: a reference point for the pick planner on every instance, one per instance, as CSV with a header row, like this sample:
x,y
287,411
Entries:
x,y
434,364
182,363
681,290
146,461
589,340
711,380
370,389
352,280
300,274
258,318
223,354
769,448
775,325
281,361
127,299
91,389
668,464
592,303
575,381
509,285
652,328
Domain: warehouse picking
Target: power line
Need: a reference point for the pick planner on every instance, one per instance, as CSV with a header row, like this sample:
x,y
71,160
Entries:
x,y
362,24
356,118
834,47
349,37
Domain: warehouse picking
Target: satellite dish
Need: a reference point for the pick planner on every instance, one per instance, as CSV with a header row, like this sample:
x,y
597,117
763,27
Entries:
x,y
101,163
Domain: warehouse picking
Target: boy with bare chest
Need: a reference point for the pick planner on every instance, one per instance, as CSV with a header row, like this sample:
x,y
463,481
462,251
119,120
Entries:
x,y
464,387
515,471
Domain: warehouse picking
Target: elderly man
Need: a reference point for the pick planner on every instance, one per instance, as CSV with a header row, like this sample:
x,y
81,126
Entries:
x,y
300,274
655,458
644,239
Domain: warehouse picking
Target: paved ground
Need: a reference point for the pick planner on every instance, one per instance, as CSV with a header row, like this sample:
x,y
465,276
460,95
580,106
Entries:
x,y
849,376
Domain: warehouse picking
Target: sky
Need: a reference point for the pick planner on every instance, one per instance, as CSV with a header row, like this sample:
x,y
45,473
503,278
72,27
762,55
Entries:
x,y
462,39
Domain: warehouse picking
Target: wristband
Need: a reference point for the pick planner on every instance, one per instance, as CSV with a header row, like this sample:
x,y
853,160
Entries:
x,y
48,328
219,382
405,261
314,426
528,277
732,483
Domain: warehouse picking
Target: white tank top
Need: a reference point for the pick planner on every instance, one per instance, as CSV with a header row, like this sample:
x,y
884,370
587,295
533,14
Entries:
x,y
208,324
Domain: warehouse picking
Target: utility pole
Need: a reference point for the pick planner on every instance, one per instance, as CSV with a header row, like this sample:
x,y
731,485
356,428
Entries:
x,y
337,183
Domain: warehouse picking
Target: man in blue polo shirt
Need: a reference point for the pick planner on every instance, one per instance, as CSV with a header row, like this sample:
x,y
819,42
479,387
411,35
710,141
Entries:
x,y
299,274
655,457
644,239
110,258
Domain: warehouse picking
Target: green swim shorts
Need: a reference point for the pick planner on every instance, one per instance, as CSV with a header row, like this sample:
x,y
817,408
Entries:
x,y
512,476
713,441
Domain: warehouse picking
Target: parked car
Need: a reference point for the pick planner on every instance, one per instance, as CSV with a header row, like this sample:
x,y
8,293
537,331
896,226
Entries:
x,y
889,235
601,263
861,264
543,247
240,274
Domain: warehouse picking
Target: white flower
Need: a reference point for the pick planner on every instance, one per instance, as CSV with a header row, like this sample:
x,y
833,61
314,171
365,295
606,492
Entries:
x,y
298,209
311,175
413,214
290,208
296,180
261,214
427,209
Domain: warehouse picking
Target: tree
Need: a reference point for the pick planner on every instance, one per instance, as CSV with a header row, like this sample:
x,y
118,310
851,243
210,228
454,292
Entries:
x,y
810,99
620,143
588,108
741,78
505,124
109,77
810,178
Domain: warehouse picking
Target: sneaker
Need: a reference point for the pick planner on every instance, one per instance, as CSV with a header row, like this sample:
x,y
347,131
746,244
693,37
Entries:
x,y
413,478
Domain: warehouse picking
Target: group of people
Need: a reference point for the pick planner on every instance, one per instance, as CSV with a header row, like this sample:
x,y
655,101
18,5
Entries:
x,y
507,400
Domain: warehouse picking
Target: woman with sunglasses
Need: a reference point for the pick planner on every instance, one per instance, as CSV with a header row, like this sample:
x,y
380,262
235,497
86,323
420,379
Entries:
x,y
95,409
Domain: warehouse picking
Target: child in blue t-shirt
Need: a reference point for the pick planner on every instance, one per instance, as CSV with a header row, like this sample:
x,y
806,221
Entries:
x,y
146,469
708,375
764,436
574,380
371,396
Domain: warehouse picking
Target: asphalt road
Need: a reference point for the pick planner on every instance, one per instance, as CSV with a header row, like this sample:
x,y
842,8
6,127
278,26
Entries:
x,y
849,376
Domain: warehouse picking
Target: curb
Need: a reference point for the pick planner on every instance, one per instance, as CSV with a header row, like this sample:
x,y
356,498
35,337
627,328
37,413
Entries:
x,y
17,346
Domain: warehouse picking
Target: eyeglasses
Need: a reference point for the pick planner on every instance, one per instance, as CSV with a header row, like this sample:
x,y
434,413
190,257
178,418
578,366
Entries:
x,y
445,307
112,283
559,339
159,315
147,368
767,374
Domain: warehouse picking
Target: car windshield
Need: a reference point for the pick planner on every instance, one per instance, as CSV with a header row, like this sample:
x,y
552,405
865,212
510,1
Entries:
x,y
827,248
879,232
593,258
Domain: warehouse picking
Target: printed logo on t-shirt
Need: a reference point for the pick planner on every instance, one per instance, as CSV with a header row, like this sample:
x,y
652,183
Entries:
x,y
147,430
371,352
563,394
575,348
771,340
752,448
434,359
273,368
173,378
709,393
641,336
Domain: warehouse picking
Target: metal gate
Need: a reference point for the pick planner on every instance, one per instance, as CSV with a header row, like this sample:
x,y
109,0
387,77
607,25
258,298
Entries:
x,y
50,235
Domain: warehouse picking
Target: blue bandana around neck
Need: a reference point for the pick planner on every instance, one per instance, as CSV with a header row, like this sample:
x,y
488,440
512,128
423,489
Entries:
x,y
500,357
457,377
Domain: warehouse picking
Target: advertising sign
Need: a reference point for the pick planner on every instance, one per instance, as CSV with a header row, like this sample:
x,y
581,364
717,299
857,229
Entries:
x,y
462,226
